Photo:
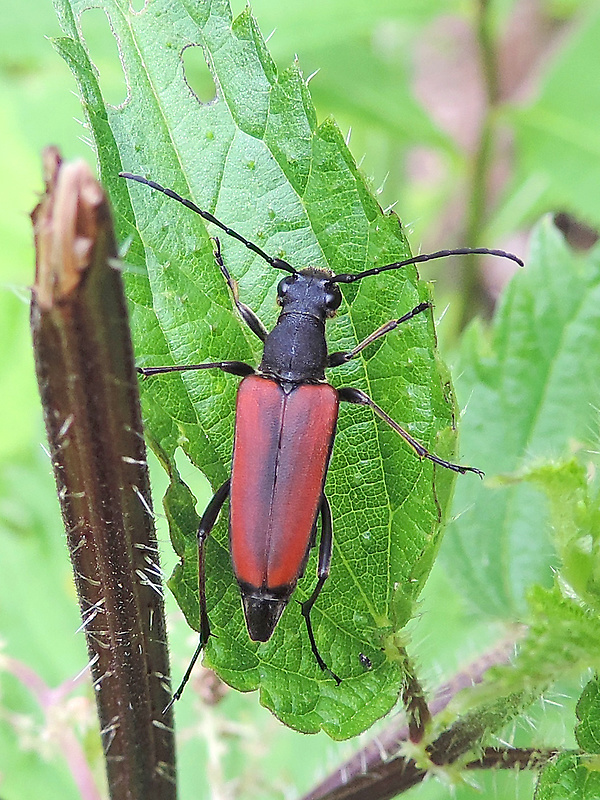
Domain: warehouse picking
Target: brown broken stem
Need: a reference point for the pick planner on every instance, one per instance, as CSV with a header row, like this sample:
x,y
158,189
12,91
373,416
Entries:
x,y
87,380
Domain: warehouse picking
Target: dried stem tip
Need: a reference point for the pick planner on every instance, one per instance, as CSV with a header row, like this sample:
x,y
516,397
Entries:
x,y
66,224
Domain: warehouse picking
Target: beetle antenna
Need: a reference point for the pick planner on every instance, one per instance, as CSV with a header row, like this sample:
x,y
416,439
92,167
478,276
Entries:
x,y
278,263
346,277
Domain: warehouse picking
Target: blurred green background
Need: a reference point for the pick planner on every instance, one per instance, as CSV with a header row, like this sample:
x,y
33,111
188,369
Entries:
x,y
468,153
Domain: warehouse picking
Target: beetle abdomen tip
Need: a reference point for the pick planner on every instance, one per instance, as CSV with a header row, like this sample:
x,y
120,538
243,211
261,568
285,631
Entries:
x,y
262,614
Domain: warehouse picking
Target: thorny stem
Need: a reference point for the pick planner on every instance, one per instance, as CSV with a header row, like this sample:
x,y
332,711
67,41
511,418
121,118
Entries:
x,y
402,774
88,384
415,704
512,758
369,767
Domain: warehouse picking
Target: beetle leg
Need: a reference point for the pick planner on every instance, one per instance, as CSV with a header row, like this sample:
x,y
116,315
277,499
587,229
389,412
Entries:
x,y
245,312
206,525
233,367
325,549
335,359
351,395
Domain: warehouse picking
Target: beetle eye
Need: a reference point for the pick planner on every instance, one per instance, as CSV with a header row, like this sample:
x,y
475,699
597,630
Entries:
x,y
333,296
284,284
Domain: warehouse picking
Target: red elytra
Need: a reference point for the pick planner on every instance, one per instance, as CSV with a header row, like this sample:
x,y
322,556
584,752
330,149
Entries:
x,y
281,451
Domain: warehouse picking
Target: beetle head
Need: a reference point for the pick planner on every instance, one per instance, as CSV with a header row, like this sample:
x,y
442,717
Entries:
x,y
310,291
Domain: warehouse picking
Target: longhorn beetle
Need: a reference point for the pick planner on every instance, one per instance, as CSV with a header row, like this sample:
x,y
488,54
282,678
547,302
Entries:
x,y
286,415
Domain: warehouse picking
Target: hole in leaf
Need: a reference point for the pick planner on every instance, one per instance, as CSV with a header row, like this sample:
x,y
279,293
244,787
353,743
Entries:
x,y
104,53
138,5
195,479
197,74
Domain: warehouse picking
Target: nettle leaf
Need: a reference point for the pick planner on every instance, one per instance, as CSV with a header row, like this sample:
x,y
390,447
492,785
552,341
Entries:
x,y
562,638
577,775
532,393
568,778
256,158
587,730
574,517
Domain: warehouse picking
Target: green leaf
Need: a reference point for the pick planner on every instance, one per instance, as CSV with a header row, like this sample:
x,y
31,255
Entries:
x,y
587,730
577,775
256,158
562,638
568,778
574,517
563,631
531,389
561,641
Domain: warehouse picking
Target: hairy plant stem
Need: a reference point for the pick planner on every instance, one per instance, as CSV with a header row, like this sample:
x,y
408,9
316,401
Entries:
x,y
373,772
88,384
415,703
402,774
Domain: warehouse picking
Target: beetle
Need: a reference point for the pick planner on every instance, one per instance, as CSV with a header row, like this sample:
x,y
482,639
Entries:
x,y
286,416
